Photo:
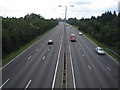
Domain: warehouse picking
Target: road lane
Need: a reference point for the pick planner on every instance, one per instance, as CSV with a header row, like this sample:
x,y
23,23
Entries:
x,y
92,71
39,71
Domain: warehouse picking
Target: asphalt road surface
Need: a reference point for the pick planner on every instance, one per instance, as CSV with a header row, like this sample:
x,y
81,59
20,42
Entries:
x,y
64,64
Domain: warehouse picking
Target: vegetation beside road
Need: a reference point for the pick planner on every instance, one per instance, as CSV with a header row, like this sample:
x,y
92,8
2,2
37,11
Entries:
x,y
103,30
19,33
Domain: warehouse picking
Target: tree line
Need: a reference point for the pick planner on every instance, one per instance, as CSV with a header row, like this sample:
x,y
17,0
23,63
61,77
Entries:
x,y
104,28
16,32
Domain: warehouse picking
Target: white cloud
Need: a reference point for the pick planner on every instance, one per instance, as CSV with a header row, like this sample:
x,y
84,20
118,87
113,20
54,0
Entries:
x,y
50,9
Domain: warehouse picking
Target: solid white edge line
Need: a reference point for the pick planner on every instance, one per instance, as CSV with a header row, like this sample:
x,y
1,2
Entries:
x,y
106,53
28,84
18,56
72,68
4,83
57,65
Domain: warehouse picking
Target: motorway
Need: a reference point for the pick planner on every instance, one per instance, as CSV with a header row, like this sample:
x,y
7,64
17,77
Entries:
x,y
64,64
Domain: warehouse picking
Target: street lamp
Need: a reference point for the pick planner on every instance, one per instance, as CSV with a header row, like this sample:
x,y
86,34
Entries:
x,y
65,11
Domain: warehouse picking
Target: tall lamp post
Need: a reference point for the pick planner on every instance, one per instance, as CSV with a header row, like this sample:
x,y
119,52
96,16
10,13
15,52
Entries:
x,y
65,11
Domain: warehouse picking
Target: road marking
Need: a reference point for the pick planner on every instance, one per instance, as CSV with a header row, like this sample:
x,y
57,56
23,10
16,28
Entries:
x,y
57,64
89,67
108,68
29,57
83,55
4,83
113,59
28,84
48,49
37,49
106,53
72,68
43,57
18,56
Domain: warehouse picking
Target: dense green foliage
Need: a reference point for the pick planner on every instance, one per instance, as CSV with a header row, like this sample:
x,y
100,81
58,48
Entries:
x,y
19,31
104,28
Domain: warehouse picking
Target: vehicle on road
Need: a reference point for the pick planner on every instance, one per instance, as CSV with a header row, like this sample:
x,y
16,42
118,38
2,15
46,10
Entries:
x,y
80,33
100,51
50,42
73,38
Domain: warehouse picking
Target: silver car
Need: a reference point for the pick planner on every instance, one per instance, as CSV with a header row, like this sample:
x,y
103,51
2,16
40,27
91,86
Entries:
x,y
99,50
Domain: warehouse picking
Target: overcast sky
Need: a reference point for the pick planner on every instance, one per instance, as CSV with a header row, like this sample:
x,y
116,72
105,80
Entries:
x,y
50,9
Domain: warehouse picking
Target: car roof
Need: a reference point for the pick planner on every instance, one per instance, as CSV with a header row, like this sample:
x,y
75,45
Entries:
x,y
72,34
99,48
50,40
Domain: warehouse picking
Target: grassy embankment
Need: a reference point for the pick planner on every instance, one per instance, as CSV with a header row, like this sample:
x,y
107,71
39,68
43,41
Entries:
x,y
105,47
17,52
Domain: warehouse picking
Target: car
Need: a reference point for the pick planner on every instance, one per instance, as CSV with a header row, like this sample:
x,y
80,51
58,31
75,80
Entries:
x,y
73,38
50,42
100,51
80,33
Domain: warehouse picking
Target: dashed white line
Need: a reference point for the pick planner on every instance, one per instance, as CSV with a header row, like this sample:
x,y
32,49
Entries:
x,y
83,55
28,84
108,68
43,57
106,53
4,83
17,56
89,67
29,57
37,49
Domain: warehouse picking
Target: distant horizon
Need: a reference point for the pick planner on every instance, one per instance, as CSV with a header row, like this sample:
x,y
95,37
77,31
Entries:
x,y
60,17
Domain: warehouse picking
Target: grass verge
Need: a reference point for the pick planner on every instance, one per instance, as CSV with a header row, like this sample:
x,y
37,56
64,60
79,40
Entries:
x,y
17,52
105,47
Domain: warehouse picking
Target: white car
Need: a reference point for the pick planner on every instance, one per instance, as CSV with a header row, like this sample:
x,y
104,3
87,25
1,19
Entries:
x,y
99,50
50,42
80,33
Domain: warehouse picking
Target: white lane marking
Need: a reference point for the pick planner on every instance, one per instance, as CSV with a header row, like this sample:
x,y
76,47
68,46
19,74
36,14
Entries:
x,y
28,84
41,44
57,64
106,53
48,49
29,57
17,56
72,69
37,49
89,67
43,57
113,59
4,83
108,68
83,55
